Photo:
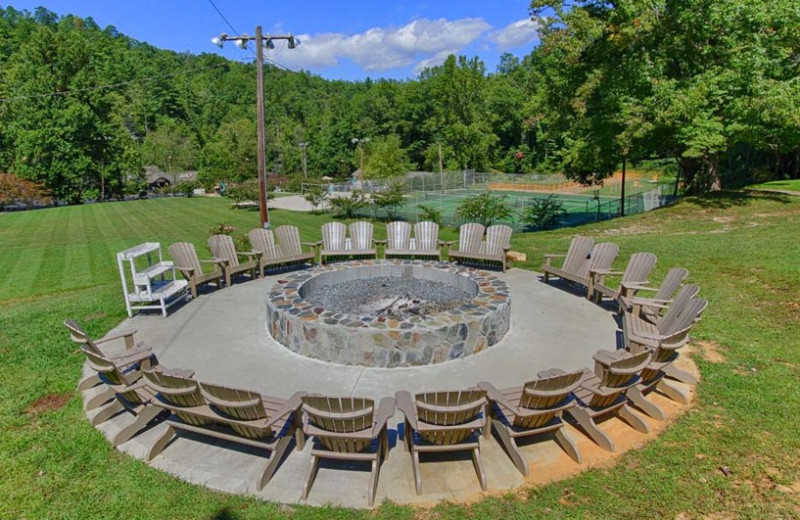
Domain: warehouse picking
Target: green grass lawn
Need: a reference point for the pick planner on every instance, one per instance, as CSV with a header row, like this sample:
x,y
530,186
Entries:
x,y
740,247
787,185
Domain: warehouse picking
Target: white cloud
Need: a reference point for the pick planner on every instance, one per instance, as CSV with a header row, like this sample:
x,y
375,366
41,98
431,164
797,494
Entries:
x,y
516,34
422,42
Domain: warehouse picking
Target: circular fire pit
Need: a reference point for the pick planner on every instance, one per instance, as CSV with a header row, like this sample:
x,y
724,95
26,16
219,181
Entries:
x,y
389,313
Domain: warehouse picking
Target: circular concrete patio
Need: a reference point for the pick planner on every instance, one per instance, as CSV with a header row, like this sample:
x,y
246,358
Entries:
x,y
222,337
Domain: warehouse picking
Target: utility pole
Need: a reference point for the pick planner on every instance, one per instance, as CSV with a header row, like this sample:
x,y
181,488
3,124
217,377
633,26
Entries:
x,y
305,164
622,190
360,142
441,169
261,42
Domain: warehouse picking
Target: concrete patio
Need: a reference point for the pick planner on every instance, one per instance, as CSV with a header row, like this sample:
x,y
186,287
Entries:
x,y
222,337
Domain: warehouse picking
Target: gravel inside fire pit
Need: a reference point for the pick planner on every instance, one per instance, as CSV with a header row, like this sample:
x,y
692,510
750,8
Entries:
x,y
388,296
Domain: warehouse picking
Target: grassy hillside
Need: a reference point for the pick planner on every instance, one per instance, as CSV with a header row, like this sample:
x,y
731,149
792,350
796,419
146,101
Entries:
x,y
741,248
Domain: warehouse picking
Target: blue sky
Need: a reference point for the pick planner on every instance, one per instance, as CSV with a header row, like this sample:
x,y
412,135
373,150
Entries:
x,y
340,40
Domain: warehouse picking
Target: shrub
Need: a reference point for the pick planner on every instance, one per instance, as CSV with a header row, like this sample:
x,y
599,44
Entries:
x,y
543,213
316,195
186,188
429,213
347,206
390,199
485,208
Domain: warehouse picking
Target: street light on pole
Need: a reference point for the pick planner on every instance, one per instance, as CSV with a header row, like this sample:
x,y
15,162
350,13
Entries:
x,y
360,142
262,41
305,164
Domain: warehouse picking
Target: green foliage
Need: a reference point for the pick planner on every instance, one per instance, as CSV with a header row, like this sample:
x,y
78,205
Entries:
x,y
485,208
386,158
428,213
390,199
543,213
186,188
243,191
316,195
347,206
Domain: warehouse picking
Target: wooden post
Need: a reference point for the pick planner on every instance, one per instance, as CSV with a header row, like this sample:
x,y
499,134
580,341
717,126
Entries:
x,y
262,159
622,190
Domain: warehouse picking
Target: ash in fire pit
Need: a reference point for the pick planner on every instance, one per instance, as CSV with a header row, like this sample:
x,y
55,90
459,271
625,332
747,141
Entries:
x,y
389,296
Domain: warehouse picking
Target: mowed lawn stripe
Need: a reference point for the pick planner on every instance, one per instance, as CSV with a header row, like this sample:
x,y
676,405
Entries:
x,y
32,237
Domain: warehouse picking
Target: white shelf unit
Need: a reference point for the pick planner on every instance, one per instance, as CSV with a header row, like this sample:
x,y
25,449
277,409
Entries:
x,y
153,283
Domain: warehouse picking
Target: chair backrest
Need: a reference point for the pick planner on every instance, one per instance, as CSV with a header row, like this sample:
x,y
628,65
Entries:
x,y
450,409
341,416
498,239
263,241
426,236
639,267
470,236
108,372
691,312
676,308
398,235
178,392
543,394
361,234
222,247
334,236
671,282
577,259
238,404
289,240
185,255
623,372
79,336
603,255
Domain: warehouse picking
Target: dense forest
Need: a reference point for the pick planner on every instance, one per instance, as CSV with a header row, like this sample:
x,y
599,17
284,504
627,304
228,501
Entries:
x,y
711,85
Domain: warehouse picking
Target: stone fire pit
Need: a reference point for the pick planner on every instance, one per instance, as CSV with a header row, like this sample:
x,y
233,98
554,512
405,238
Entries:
x,y
389,313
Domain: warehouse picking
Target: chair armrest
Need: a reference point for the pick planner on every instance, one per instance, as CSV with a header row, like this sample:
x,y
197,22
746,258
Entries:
x,y
495,395
651,302
380,242
604,272
634,285
127,334
131,358
605,357
447,243
548,255
292,404
187,269
250,253
646,288
405,404
311,244
214,261
384,413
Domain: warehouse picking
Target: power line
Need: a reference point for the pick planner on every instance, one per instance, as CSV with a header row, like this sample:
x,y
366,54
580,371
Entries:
x,y
229,24
109,85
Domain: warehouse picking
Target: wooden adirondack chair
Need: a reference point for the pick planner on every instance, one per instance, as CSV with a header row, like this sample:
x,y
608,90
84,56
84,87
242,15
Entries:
x,y
602,393
230,414
347,428
222,247
532,409
361,242
129,394
262,241
471,247
129,353
444,422
426,240
650,308
190,266
291,246
576,262
664,354
398,239
636,272
334,241
671,332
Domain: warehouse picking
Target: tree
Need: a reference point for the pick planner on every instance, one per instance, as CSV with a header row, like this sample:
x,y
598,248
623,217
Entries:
x,y
13,189
316,195
390,199
386,158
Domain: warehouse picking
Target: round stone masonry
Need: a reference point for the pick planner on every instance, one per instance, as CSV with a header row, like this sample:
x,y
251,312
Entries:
x,y
389,340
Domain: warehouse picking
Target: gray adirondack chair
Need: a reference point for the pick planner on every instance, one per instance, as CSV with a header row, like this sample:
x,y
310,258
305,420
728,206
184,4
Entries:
x,y
651,308
437,422
123,354
127,393
335,243
601,394
575,266
347,428
292,247
424,244
232,414
191,267
636,272
222,247
533,409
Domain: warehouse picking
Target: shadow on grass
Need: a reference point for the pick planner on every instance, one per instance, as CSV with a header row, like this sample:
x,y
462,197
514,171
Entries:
x,y
223,514
729,199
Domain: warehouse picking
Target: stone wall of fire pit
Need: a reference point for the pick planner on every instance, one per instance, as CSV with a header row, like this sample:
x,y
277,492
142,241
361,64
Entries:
x,y
379,340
